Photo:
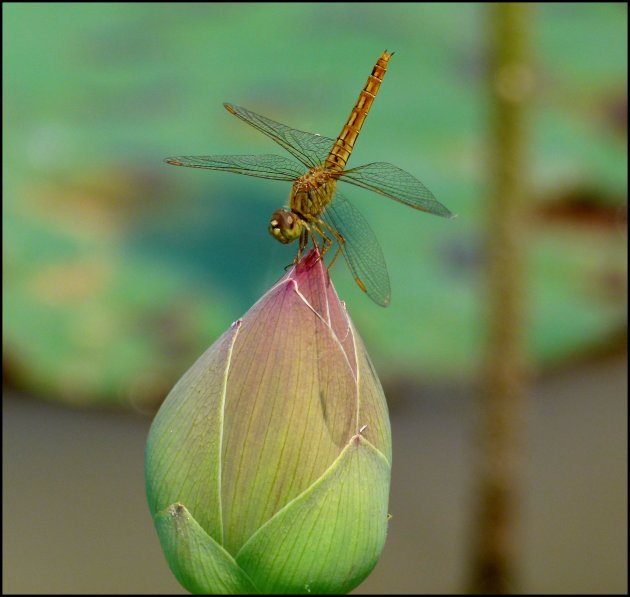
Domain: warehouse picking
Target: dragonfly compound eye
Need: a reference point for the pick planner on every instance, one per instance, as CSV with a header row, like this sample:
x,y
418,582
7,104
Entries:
x,y
285,226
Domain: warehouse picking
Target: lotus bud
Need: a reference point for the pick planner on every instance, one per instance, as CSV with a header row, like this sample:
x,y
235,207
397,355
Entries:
x,y
268,464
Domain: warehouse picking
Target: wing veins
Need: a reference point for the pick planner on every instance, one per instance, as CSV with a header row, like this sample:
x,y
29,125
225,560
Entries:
x,y
268,166
308,148
361,250
393,182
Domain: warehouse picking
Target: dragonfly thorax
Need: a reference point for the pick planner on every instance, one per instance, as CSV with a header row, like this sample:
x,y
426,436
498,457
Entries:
x,y
312,192
285,226
314,178
310,195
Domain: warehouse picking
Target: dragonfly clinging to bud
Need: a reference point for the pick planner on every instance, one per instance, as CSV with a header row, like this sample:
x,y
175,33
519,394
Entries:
x,y
316,208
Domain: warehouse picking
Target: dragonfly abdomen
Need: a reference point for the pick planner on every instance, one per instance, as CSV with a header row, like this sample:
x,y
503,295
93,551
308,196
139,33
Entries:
x,y
342,148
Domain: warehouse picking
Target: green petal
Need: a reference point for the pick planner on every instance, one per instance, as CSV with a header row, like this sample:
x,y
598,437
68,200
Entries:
x,y
329,538
373,413
183,449
291,404
198,562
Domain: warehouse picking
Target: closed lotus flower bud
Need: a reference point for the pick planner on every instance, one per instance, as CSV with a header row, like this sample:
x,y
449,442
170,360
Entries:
x,y
268,465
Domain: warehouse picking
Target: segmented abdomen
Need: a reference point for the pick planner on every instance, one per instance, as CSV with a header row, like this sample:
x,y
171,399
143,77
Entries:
x,y
342,148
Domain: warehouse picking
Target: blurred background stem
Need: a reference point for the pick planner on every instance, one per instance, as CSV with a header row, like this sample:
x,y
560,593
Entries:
x,y
495,532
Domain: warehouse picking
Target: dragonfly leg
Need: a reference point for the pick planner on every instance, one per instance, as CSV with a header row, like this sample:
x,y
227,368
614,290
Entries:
x,y
340,242
312,228
326,241
306,231
301,244
339,247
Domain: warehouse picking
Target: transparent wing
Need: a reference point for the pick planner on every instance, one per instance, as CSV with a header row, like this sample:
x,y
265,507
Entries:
x,y
388,180
270,166
361,249
312,150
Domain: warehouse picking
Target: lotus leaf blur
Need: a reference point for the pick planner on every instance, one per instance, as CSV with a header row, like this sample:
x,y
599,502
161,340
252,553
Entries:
x,y
268,465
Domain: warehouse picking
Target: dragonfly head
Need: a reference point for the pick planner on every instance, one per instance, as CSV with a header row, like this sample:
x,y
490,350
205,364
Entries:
x,y
285,226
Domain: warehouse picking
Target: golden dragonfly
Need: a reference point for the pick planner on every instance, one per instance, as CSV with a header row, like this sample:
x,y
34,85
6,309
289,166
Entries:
x,y
315,206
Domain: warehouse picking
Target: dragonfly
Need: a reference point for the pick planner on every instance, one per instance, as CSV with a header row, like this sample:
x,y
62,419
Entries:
x,y
315,206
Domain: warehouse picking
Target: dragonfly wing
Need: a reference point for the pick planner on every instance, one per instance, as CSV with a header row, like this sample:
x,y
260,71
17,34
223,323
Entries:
x,y
312,150
388,180
270,166
360,249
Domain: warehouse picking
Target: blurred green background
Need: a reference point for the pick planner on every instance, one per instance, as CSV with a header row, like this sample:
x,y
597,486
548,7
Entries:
x,y
119,270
